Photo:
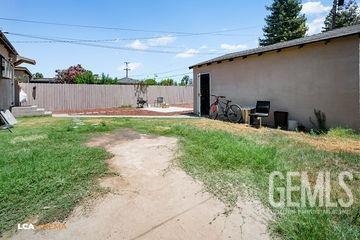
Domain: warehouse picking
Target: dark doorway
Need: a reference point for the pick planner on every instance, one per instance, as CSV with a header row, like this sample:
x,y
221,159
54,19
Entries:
x,y
205,94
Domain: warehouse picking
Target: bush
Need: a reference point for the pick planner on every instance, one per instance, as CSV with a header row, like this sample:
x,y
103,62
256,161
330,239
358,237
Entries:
x,y
68,75
85,78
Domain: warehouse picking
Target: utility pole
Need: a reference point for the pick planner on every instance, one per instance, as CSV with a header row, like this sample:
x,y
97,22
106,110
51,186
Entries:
x,y
127,69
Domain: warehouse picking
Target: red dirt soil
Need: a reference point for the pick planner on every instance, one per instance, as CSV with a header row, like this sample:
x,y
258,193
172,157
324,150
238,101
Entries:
x,y
125,111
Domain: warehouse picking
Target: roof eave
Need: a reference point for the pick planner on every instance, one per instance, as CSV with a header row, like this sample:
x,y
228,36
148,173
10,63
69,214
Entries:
x,y
23,69
7,43
269,48
20,60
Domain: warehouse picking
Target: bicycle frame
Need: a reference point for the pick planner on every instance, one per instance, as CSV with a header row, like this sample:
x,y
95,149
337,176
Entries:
x,y
222,105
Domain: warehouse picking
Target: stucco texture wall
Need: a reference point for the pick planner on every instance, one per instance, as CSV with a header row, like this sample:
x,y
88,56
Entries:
x,y
4,52
6,94
6,88
296,80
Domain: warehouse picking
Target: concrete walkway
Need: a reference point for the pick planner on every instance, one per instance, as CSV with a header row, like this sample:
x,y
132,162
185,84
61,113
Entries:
x,y
153,199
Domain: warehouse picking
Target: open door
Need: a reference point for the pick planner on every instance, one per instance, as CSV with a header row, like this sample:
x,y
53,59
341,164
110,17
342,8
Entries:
x,y
204,90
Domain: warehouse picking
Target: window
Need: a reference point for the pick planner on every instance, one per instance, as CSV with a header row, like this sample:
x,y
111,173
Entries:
x,y
6,69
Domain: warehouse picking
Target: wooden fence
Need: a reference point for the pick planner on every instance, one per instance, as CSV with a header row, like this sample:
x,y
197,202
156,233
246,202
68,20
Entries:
x,y
57,97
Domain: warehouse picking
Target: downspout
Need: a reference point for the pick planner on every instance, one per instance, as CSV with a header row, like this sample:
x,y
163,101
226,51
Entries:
x,y
13,86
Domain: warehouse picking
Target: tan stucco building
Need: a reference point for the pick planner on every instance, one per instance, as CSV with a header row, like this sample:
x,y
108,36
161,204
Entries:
x,y
298,76
22,74
9,59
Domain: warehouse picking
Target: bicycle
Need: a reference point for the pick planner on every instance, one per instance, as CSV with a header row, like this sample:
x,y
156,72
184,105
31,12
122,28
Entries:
x,y
232,112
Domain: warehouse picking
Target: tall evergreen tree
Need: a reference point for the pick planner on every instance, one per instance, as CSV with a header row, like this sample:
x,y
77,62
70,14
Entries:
x,y
284,23
342,16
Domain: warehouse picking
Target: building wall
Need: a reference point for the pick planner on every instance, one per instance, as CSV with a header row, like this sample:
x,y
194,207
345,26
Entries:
x,y
6,85
22,76
4,52
6,93
296,80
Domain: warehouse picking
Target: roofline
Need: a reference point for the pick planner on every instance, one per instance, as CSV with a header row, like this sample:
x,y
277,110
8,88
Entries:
x,y
7,43
274,47
20,60
23,68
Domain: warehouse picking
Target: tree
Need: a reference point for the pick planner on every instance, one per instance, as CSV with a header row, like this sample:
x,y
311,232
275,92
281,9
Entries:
x,y
185,81
86,77
106,79
69,75
150,81
284,23
38,75
167,82
342,16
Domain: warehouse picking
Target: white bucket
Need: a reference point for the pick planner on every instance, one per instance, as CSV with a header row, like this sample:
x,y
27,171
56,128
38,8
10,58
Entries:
x,y
292,125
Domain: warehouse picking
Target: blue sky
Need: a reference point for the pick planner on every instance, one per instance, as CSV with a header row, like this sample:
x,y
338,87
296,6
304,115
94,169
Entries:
x,y
162,21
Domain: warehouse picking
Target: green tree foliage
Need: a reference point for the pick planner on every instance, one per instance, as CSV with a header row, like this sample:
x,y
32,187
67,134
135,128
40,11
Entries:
x,y
167,82
284,23
185,81
106,79
38,75
79,75
344,16
86,77
150,81
68,75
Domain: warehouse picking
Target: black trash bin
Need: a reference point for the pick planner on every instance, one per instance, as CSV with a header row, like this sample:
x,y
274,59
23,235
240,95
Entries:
x,y
281,119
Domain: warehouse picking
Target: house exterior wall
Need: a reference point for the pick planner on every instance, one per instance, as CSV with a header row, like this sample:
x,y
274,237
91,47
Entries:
x,y
297,80
6,94
22,76
4,52
6,85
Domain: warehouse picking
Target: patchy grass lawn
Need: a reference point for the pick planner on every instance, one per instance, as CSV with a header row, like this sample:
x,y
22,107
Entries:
x,y
46,169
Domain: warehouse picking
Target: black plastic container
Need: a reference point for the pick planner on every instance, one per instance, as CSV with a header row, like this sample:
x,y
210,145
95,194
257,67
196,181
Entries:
x,y
281,119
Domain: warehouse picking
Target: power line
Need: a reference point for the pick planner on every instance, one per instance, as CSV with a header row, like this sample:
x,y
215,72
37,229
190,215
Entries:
x,y
180,33
159,73
125,29
177,75
99,45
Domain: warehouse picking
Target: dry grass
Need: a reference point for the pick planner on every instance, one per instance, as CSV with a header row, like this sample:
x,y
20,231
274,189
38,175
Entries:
x,y
326,143
39,121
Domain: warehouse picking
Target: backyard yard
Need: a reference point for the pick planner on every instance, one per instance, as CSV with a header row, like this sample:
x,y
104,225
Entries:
x,y
48,167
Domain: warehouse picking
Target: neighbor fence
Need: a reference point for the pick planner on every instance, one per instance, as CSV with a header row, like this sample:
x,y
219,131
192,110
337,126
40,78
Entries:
x,y
58,97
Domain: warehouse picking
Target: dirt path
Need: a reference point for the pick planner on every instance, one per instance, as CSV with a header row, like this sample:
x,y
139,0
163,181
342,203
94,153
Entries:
x,y
154,200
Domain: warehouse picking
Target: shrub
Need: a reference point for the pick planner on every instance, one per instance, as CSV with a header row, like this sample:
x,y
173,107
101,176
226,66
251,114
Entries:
x,y
85,78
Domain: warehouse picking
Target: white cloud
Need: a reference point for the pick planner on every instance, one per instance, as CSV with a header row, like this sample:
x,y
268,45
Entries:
x,y
316,25
203,47
138,45
229,47
315,8
161,41
135,65
188,53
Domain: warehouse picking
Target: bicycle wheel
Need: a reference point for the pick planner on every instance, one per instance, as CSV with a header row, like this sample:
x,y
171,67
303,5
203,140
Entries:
x,y
214,111
234,114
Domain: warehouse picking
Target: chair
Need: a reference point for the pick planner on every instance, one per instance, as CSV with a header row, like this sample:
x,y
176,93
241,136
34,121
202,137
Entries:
x,y
141,102
262,110
7,120
159,102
